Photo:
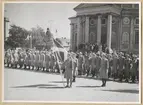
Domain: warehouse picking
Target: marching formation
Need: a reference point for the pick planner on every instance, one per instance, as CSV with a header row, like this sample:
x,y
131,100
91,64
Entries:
x,y
118,66
31,59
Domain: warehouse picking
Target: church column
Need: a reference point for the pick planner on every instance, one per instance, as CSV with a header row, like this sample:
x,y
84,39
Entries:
x,y
99,29
131,34
78,32
109,30
71,37
87,29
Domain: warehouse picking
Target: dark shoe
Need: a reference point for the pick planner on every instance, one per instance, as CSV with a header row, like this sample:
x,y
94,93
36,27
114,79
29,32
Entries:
x,y
73,80
126,80
102,85
66,86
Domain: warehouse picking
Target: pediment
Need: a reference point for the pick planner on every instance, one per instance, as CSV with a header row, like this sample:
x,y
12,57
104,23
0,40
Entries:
x,y
91,5
96,8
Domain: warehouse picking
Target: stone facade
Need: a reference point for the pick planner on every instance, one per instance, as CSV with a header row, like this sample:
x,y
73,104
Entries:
x,y
116,25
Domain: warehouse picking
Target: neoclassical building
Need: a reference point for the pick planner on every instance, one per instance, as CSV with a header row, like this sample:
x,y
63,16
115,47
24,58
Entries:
x,y
116,25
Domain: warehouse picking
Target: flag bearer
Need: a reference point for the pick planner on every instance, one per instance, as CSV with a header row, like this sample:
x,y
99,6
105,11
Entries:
x,y
69,70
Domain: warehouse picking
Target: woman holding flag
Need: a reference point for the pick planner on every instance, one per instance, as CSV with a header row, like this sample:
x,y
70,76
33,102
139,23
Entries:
x,y
68,64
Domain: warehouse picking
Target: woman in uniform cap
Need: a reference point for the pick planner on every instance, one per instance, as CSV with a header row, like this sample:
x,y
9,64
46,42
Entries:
x,y
104,69
115,64
80,63
127,67
68,70
134,68
75,63
121,64
16,57
37,60
47,60
93,66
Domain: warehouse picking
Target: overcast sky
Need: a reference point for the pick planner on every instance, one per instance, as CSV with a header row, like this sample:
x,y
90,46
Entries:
x,y
53,15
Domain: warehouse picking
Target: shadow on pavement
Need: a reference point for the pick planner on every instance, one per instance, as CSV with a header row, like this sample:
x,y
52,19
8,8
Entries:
x,y
124,91
57,82
88,86
52,87
127,82
34,71
93,78
32,86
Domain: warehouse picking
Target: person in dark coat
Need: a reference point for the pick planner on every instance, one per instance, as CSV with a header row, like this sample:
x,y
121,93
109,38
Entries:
x,y
134,69
115,65
127,68
104,69
86,66
80,63
93,62
21,59
47,60
52,62
97,64
8,55
75,64
121,66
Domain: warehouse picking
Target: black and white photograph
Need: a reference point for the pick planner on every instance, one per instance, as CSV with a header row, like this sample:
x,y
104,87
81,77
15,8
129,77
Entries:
x,y
72,52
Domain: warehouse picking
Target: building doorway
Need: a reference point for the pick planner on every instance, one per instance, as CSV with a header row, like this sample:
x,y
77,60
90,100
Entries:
x,y
103,39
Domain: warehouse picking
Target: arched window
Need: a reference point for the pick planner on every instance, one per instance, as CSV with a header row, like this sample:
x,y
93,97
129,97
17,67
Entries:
x,y
125,38
136,21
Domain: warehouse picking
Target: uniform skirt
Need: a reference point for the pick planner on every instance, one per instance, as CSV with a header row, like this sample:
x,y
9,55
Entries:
x,y
103,73
68,73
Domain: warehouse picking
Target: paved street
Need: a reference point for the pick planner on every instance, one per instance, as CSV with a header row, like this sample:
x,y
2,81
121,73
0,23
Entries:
x,y
37,86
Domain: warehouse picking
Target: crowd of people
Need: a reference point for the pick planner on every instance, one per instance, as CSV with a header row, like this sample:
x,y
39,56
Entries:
x,y
117,65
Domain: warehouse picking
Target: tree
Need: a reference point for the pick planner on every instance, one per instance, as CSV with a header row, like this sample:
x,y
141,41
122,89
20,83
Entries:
x,y
37,36
17,37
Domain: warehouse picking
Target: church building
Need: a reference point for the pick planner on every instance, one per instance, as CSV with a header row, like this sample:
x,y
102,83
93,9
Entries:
x,y
113,25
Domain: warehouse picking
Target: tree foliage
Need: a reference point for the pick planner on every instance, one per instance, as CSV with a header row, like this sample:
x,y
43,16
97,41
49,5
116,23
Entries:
x,y
37,36
17,37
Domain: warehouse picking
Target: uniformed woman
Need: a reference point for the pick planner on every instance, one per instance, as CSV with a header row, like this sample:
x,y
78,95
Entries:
x,y
69,70
104,69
